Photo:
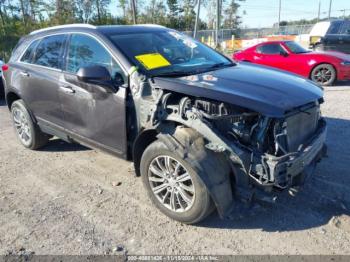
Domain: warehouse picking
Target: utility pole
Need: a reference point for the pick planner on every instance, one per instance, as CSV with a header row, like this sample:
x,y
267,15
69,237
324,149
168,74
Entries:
x,y
343,12
319,10
133,5
330,9
197,18
279,14
217,23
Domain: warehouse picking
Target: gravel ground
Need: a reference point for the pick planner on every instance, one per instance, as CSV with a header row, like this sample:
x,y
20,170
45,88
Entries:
x,y
68,199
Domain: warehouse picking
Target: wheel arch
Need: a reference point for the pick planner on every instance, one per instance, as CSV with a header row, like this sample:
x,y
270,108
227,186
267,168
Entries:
x,y
142,141
175,135
146,137
10,98
214,170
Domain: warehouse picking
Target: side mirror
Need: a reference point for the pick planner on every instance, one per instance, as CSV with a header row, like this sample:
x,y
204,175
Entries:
x,y
118,79
283,53
93,73
348,31
98,75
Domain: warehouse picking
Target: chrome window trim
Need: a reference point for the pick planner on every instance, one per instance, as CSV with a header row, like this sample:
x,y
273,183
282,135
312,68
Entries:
x,y
63,26
44,67
71,33
30,43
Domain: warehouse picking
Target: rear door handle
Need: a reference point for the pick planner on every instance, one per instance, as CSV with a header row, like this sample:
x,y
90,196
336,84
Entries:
x,y
24,73
67,89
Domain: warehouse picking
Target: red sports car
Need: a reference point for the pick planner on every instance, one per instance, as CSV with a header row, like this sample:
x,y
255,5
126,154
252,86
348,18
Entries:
x,y
321,67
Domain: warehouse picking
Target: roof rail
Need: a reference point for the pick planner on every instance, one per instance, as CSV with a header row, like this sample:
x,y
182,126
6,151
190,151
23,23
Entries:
x,y
63,26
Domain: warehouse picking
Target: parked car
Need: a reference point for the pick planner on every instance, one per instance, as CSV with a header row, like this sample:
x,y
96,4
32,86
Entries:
x,y
201,130
331,36
321,67
1,85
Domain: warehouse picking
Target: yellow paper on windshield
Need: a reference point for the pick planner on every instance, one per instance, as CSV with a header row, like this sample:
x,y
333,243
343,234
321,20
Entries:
x,y
152,61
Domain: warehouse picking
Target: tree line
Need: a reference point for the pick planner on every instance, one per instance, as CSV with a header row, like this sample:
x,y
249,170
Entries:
x,y
19,17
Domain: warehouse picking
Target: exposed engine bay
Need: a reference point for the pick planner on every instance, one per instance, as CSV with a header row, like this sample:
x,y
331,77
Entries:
x,y
262,136
276,137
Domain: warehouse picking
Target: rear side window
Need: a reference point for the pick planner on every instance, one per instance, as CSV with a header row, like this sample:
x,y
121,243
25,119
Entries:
x,y
28,54
49,52
272,49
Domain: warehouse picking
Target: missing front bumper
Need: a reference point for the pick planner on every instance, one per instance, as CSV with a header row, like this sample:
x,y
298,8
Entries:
x,y
286,171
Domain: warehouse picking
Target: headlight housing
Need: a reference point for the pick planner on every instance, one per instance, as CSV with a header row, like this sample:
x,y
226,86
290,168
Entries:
x,y
346,63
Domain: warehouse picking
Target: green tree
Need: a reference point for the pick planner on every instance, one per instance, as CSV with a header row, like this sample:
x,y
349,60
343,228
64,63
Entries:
x,y
231,19
189,15
123,4
174,11
84,10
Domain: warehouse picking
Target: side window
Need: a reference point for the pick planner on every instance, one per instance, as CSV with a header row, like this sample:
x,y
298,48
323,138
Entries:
x,y
49,51
334,28
28,54
271,49
346,27
86,51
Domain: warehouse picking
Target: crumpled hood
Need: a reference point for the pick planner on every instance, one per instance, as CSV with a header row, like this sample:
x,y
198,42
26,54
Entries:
x,y
269,91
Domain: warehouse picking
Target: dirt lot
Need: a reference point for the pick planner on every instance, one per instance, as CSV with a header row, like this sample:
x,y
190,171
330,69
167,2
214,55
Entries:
x,y
67,199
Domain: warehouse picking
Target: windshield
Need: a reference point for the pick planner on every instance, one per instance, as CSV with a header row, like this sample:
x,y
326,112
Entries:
x,y
168,53
296,48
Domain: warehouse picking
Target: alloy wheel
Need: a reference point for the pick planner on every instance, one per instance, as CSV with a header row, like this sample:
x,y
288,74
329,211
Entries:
x,y
322,75
171,183
22,126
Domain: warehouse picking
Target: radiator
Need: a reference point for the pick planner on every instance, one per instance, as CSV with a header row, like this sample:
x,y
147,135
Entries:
x,y
301,127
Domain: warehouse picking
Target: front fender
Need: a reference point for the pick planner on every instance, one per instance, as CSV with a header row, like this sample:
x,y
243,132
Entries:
x,y
212,168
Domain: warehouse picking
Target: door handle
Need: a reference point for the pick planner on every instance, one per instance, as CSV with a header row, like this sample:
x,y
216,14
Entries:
x,y
24,73
67,89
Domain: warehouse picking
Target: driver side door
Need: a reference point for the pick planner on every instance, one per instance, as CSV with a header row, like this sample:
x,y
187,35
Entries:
x,y
270,55
93,114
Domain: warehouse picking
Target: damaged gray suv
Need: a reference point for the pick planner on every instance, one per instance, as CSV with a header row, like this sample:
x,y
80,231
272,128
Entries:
x,y
202,131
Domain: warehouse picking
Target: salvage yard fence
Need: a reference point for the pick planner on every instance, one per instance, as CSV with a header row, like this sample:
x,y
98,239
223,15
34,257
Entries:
x,y
250,33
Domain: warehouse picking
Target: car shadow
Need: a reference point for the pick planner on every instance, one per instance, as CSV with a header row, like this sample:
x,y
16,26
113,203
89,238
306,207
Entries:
x,y
58,145
2,102
325,195
342,83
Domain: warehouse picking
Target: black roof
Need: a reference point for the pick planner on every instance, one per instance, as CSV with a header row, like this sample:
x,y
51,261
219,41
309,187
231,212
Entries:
x,y
115,29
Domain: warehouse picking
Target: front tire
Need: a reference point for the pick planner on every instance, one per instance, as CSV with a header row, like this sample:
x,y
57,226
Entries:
x,y
173,182
324,74
27,131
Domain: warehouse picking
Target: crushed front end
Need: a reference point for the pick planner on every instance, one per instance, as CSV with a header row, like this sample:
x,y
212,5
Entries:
x,y
293,145
267,154
277,153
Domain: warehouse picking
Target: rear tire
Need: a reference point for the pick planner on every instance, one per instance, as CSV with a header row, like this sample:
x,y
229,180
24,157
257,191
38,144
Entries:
x,y
324,74
2,91
28,132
